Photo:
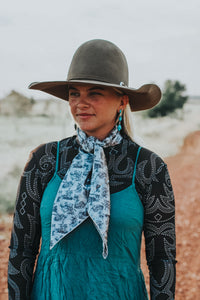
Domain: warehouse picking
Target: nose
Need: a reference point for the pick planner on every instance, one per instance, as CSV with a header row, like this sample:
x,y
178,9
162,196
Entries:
x,y
83,102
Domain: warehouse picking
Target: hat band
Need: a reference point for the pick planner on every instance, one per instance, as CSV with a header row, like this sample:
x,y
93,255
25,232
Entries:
x,y
97,78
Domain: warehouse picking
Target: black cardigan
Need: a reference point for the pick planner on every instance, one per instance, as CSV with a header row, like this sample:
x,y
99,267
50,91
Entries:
x,y
154,188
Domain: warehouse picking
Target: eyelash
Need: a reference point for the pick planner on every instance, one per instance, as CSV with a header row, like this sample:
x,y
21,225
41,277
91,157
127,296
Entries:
x,y
95,93
76,94
73,94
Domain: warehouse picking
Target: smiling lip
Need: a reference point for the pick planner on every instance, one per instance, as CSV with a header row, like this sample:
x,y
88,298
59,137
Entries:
x,y
84,115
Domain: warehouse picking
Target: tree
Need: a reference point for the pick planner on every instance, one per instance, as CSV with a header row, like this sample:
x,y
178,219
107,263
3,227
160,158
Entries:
x,y
173,98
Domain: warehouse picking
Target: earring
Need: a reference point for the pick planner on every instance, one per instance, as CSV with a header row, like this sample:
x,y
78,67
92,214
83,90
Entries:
x,y
75,126
119,126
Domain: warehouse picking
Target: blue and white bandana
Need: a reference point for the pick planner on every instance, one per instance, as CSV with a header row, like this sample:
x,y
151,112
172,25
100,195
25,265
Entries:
x,y
74,203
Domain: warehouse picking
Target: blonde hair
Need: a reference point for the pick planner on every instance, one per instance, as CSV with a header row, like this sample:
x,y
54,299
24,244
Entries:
x,y
127,123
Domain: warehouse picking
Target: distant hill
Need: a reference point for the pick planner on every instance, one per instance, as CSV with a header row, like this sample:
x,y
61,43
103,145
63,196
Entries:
x,y
16,104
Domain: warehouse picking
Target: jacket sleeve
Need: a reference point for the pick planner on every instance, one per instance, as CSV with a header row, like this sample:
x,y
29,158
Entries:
x,y
26,231
159,227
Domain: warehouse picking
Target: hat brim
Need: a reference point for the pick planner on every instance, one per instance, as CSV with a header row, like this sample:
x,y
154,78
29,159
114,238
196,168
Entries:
x,y
146,97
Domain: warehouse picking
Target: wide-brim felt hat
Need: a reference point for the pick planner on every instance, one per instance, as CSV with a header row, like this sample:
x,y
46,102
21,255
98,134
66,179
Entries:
x,y
101,63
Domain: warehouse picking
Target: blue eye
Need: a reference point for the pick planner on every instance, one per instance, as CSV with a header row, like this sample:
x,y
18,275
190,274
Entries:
x,y
73,94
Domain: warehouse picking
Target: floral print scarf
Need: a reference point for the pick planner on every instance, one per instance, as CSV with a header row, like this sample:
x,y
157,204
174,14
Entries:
x,y
74,202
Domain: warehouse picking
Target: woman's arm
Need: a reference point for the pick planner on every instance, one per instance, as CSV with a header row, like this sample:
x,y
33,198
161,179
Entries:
x,y
25,237
159,227
26,231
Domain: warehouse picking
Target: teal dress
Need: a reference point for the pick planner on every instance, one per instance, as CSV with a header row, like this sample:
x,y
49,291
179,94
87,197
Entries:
x,y
75,268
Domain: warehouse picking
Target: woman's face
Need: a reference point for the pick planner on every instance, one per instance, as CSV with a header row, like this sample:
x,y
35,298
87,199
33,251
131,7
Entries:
x,y
95,108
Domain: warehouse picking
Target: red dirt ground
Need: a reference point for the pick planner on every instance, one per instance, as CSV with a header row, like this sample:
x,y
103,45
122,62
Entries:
x,y
184,170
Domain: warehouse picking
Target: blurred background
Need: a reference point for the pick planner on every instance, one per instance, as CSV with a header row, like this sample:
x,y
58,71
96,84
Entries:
x,y
161,41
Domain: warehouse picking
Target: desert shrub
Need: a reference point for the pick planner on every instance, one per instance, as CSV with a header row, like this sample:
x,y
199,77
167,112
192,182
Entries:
x,y
173,98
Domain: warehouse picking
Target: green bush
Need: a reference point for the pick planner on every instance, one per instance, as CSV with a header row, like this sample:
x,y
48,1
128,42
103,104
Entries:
x,y
173,98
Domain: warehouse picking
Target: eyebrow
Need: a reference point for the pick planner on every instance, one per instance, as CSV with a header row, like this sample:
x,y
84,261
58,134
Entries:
x,y
92,88
72,88
96,88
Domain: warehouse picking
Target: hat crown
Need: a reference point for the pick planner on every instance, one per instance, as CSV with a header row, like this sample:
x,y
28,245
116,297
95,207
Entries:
x,y
99,60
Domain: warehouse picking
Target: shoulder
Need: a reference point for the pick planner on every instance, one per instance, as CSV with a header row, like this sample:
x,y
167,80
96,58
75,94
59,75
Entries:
x,y
50,149
149,166
144,154
43,157
151,169
150,158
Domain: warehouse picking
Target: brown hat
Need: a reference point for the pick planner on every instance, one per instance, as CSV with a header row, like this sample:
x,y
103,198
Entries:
x,y
100,62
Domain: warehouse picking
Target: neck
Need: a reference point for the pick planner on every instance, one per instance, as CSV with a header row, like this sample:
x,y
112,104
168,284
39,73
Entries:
x,y
99,136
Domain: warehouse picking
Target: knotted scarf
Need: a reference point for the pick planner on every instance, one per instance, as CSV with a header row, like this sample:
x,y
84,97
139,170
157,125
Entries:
x,y
75,202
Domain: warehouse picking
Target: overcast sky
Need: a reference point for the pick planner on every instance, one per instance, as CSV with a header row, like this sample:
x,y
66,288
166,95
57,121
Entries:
x,y
160,38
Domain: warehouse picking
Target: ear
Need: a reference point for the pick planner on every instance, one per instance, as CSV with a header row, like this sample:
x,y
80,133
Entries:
x,y
124,102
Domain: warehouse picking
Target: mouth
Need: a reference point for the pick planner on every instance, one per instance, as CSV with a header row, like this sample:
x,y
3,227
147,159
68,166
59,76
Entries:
x,y
84,115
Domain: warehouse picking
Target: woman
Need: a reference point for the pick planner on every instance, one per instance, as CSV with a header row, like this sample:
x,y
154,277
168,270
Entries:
x,y
90,196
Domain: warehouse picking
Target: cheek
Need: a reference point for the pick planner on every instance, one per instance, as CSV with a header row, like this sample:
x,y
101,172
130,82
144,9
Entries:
x,y
110,112
72,109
